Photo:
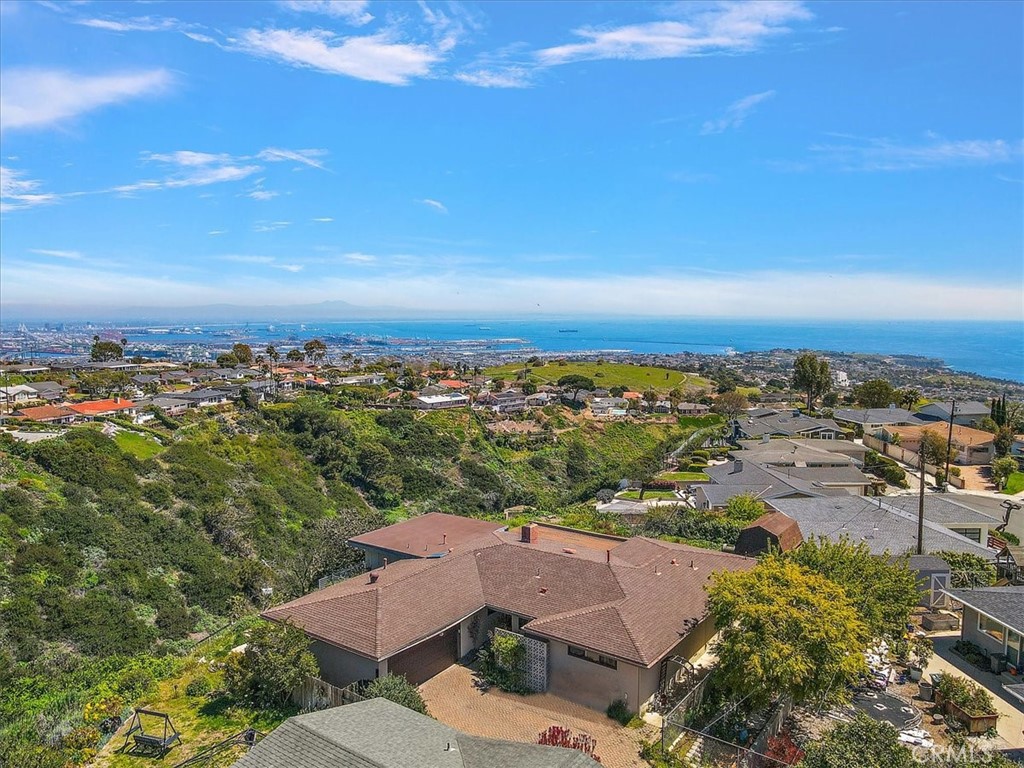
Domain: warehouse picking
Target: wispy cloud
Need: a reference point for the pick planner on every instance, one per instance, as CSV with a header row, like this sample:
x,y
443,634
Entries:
x,y
351,11
257,192
883,154
242,258
72,255
269,226
512,76
359,259
702,29
379,57
39,98
217,232
736,113
437,205
310,157
136,24
323,219
17,192
288,267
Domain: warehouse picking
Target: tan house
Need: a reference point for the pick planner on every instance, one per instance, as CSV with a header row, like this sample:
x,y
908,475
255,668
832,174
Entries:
x,y
973,446
602,617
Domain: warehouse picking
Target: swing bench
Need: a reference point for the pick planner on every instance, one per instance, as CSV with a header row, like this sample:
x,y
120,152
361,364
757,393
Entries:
x,y
157,740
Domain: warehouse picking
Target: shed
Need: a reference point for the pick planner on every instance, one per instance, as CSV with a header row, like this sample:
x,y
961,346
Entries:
x,y
772,530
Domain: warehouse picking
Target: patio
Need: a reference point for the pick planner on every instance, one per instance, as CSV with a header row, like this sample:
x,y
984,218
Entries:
x,y
454,698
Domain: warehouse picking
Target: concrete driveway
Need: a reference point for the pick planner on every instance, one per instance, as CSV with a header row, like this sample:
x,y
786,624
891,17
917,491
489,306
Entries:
x,y
454,699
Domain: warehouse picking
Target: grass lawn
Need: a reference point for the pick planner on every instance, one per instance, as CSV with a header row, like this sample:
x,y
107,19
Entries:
x,y
1015,483
606,375
139,446
647,495
200,720
684,477
748,391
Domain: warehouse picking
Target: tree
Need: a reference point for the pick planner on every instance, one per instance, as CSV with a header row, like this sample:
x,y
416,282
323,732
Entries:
x,y
295,355
876,393
861,743
398,689
744,508
884,591
272,354
812,377
529,388
650,397
1003,441
227,360
730,404
242,353
576,382
104,351
967,570
275,661
785,629
315,350
1002,468
323,547
935,447
908,398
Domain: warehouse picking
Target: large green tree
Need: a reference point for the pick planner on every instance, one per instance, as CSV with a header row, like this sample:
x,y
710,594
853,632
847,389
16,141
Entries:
x,y
729,404
811,375
275,661
576,382
242,353
967,570
316,351
105,351
786,629
884,591
875,393
861,743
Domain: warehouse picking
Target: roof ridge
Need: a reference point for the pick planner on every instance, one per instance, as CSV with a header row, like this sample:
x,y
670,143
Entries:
x,y
324,737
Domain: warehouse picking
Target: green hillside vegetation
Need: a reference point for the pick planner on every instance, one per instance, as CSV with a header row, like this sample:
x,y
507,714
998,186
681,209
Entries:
x,y
116,554
637,378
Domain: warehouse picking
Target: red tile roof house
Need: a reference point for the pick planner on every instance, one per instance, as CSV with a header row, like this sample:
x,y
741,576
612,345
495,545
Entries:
x,y
608,612
117,406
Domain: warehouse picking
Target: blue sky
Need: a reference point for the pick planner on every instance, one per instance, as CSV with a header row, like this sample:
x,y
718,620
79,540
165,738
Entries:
x,y
775,159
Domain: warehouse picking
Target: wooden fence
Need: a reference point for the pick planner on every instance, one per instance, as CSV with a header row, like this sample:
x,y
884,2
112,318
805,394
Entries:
x,y
316,694
908,457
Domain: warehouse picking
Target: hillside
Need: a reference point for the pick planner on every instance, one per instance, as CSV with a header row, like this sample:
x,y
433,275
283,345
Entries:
x,y
117,554
637,378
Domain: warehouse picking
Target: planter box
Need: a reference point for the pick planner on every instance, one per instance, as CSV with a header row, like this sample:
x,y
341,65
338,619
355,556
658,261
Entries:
x,y
975,724
935,622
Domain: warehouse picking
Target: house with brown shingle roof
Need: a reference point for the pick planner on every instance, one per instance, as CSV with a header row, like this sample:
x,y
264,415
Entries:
x,y
607,615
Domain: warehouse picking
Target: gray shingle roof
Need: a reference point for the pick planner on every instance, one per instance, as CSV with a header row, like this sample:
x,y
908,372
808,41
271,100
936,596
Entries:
x,y
876,416
942,510
881,527
381,734
1004,604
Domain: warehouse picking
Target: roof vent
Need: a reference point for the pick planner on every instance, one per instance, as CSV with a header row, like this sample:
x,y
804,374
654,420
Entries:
x,y
608,556
543,590
569,550
693,566
374,576
674,561
385,563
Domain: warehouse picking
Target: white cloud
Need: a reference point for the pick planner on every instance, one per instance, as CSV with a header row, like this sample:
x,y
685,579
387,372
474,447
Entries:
x,y
882,154
378,58
351,11
37,98
288,267
435,204
736,113
17,192
72,255
359,259
262,194
246,259
308,157
137,24
323,219
217,232
269,226
705,29
497,77
188,158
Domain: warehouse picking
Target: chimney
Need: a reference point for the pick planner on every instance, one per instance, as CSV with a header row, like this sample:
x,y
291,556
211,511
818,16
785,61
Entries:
x,y
117,400
737,466
385,563
374,576
530,533
766,438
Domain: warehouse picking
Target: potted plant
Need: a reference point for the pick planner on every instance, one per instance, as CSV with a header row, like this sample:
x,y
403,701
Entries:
x,y
922,650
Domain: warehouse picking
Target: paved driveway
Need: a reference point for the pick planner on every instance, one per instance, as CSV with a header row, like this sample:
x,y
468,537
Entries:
x,y
453,699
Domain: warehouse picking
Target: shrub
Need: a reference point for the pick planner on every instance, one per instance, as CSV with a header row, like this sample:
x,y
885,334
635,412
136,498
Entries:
x,y
276,660
199,686
557,736
970,697
398,689
501,663
618,711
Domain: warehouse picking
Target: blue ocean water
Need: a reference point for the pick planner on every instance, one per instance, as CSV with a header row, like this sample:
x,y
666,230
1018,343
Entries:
x,y
993,349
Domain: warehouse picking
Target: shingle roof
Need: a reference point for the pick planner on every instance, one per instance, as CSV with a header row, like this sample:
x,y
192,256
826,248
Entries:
x,y
622,598
942,510
381,734
1004,604
428,535
786,529
883,528
876,416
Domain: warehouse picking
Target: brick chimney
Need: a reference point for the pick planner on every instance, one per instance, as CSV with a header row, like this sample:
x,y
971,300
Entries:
x,y
530,533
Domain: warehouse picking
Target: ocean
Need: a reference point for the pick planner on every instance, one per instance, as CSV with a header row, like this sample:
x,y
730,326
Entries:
x,y
993,349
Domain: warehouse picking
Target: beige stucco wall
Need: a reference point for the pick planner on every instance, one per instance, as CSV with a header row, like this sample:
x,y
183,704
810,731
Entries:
x,y
340,667
590,684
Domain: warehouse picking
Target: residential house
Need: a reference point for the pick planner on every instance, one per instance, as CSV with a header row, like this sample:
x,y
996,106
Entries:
x,y
539,399
507,401
663,406
856,451
771,531
47,414
117,406
452,384
693,409
142,380
945,510
171,405
972,446
378,733
884,528
24,369
603,617
968,412
788,424
48,390
609,406
871,420
993,619
437,402
17,394
364,380
431,535
203,398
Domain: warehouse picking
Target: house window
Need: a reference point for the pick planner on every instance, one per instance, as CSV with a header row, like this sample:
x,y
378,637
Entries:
x,y
974,534
991,627
596,658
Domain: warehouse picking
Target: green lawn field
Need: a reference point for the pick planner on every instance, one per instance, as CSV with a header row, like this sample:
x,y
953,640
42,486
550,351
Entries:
x,y
605,375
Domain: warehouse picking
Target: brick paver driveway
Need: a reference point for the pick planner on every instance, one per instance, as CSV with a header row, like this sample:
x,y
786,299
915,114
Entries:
x,y
453,699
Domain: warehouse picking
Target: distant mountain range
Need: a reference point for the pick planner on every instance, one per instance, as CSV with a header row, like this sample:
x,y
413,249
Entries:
x,y
210,313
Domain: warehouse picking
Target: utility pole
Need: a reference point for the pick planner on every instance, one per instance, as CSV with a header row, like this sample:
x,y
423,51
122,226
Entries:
x,y
920,511
949,440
